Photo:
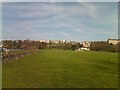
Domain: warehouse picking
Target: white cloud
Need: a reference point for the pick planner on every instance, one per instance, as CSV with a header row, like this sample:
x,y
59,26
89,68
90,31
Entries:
x,y
0,21
64,34
34,18
60,0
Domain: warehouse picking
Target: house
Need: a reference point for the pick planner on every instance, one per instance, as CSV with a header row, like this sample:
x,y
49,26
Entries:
x,y
85,46
113,41
85,49
63,41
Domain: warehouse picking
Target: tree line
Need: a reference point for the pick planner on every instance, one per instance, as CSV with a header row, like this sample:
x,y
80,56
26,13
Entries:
x,y
104,46
25,44
32,45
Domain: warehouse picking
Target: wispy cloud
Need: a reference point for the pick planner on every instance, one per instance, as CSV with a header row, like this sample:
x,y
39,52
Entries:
x,y
64,34
60,1
0,21
52,20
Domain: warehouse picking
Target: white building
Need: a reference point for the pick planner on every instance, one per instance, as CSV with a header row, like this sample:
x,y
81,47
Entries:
x,y
85,46
1,44
113,41
84,49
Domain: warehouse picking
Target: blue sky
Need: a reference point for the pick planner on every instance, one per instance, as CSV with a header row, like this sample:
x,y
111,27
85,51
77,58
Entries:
x,y
60,0
61,20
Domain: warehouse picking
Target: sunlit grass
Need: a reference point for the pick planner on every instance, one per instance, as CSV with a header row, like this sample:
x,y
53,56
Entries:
x,y
63,69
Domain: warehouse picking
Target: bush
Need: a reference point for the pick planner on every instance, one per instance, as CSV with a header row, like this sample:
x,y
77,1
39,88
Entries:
x,y
104,46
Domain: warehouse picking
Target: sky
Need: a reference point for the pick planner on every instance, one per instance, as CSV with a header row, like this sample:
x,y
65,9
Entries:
x,y
60,0
0,21
73,21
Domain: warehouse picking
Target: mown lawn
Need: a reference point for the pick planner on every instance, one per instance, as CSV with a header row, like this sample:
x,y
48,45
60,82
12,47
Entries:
x,y
63,69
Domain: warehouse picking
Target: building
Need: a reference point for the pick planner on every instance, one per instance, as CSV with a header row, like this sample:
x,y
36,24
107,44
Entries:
x,y
84,49
113,41
1,44
63,41
85,46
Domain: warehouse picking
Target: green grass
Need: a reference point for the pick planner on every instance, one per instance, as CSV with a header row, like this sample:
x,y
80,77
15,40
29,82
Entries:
x,y
63,69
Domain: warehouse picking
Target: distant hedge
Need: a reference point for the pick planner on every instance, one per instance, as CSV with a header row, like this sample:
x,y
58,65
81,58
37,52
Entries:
x,y
104,46
31,45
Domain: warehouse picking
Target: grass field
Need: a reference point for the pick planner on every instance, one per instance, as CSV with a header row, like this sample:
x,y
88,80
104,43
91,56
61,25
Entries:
x,y
63,69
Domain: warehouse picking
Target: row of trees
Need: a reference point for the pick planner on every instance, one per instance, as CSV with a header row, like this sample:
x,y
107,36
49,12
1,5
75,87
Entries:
x,y
104,46
31,45
26,44
65,46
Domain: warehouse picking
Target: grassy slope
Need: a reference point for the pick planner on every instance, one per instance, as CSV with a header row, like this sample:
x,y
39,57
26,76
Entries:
x,y
58,68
